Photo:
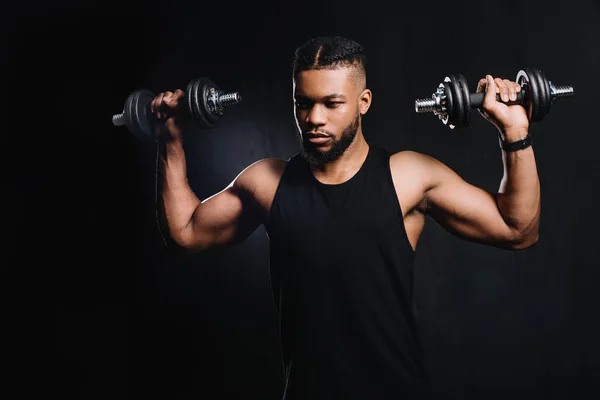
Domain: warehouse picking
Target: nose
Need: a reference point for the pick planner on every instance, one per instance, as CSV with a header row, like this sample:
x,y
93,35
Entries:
x,y
316,116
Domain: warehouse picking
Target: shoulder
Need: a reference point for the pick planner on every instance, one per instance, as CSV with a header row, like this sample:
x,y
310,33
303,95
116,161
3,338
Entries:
x,y
423,168
406,161
262,174
259,181
427,169
266,166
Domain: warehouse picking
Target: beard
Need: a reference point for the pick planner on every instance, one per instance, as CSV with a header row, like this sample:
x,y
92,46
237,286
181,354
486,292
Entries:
x,y
312,153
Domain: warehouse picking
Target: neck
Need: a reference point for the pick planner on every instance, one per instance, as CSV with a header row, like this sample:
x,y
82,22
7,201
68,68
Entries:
x,y
346,166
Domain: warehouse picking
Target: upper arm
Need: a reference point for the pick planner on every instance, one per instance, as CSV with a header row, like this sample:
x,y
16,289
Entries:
x,y
231,215
463,209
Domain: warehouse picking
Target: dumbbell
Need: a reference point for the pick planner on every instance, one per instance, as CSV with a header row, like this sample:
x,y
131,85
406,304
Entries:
x,y
204,101
452,101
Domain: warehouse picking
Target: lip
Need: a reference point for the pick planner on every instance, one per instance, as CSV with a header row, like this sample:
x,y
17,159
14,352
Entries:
x,y
318,139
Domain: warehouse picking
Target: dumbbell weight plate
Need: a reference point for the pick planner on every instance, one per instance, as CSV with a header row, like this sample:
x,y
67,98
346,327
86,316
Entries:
x,y
194,103
458,104
207,87
136,114
545,94
466,99
533,75
198,95
449,104
528,80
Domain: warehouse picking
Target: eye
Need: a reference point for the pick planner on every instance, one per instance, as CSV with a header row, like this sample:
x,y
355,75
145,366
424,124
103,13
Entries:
x,y
334,104
303,104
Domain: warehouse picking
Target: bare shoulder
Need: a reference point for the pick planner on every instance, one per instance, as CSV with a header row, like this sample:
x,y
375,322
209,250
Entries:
x,y
260,180
412,176
410,166
421,167
411,159
262,168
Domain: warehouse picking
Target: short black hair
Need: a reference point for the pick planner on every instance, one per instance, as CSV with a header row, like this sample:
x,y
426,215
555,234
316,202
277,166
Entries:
x,y
328,52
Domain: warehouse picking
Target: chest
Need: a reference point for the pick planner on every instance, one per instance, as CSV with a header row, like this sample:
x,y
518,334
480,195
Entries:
x,y
399,191
346,215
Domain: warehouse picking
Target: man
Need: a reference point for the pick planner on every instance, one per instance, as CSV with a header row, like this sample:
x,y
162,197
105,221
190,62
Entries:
x,y
344,218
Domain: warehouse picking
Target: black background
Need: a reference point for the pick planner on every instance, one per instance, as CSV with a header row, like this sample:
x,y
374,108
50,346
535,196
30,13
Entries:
x,y
131,318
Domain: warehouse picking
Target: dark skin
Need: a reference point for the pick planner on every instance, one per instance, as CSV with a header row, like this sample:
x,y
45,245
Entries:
x,y
329,100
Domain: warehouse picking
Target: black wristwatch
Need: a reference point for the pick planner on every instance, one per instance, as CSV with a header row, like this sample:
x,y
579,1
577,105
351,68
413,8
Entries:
x,y
518,145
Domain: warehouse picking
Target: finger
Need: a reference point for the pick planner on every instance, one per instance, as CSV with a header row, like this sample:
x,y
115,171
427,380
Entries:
x,y
158,105
171,99
503,90
512,94
177,95
175,99
481,85
517,88
168,104
490,90
167,95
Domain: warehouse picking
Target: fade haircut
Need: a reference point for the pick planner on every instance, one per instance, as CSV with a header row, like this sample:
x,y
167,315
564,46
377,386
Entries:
x,y
331,52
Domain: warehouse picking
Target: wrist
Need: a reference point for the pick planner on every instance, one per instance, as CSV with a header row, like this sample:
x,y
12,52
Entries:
x,y
170,149
168,141
513,134
515,141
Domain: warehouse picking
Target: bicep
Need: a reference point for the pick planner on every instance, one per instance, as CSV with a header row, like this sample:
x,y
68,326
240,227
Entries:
x,y
465,210
225,218
234,213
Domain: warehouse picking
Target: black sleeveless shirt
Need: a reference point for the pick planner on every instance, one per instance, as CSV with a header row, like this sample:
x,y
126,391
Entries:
x,y
341,271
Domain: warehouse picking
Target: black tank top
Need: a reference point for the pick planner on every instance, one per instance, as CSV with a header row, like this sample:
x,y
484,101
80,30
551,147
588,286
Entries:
x,y
341,272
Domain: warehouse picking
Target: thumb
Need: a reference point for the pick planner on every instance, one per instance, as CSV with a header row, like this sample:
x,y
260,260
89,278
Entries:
x,y
490,89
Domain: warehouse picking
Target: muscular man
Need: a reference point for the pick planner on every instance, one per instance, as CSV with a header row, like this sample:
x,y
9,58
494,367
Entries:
x,y
344,218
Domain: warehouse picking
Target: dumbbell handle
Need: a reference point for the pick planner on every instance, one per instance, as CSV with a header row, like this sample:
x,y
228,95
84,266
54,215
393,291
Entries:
x,y
556,92
477,99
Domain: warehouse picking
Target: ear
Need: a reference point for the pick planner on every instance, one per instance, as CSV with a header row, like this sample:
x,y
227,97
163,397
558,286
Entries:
x,y
364,101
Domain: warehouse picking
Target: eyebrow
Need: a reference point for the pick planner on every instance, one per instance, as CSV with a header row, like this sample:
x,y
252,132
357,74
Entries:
x,y
329,97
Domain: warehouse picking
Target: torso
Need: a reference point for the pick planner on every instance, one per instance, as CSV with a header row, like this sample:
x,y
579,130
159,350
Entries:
x,y
409,190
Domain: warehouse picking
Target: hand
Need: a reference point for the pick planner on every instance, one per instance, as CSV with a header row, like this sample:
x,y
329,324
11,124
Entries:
x,y
511,120
171,115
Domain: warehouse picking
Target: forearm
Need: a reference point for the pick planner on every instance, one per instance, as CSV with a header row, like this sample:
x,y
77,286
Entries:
x,y
519,192
179,201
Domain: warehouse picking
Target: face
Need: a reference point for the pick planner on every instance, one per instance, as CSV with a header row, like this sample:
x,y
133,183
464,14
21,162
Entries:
x,y
329,104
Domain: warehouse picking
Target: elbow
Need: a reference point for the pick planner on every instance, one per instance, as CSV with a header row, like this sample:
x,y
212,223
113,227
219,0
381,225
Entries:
x,y
525,235
525,240
184,244
192,247
188,242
